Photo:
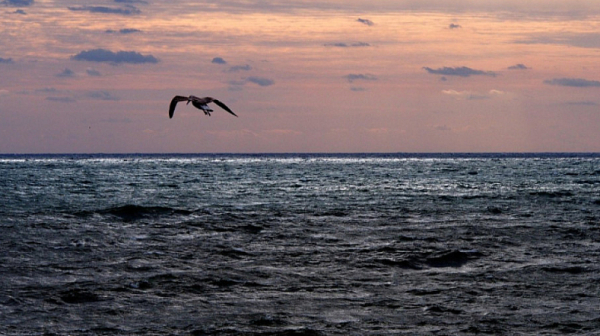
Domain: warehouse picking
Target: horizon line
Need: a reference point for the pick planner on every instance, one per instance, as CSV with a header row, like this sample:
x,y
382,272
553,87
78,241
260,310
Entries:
x,y
305,153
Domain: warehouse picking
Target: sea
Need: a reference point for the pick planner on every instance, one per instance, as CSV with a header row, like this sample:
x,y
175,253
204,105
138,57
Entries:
x,y
300,244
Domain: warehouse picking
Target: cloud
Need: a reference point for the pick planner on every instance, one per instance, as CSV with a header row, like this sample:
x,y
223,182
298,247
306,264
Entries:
x,y
218,60
443,128
6,60
128,10
132,1
124,31
454,26
465,95
345,45
496,92
103,55
261,81
352,77
282,132
93,72
17,3
46,90
518,67
4,92
20,11
102,95
238,68
358,89
471,95
61,99
234,87
238,83
503,8
573,82
582,40
365,21
459,71
66,73
582,103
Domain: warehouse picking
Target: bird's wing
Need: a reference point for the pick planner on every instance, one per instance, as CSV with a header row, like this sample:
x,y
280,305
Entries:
x,y
224,107
174,102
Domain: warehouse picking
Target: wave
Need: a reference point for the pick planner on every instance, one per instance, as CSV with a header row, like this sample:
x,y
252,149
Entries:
x,y
552,194
132,212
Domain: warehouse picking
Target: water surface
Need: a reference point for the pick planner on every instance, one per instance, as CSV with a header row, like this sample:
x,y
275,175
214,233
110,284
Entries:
x,y
361,244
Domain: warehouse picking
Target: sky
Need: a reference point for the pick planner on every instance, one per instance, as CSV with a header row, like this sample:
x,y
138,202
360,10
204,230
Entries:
x,y
303,76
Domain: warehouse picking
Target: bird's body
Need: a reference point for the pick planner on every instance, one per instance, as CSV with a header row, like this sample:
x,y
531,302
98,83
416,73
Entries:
x,y
200,103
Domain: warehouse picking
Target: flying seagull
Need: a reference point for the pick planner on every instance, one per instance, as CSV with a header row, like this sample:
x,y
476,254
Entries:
x,y
200,103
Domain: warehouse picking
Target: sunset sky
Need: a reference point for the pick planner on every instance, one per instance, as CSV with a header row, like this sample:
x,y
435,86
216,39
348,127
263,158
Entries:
x,y
303,76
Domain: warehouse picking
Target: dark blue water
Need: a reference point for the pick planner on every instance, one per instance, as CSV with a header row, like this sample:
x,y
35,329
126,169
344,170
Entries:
x,y
350,244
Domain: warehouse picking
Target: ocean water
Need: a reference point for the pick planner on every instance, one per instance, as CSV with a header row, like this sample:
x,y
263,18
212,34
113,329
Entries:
x,y
429,244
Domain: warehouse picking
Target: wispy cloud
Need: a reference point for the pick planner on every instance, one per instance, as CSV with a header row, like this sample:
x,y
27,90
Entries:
x,y
260,81
103,55
132,1
573,82
454,26
102,95
581,103
518,67
237,85
353,77
582,40
346,45
46,90
472,95
6,60
282,132
17,3
465,95
61,99
93,72
128,10
123,31
66,73
459,71
365,21
238,68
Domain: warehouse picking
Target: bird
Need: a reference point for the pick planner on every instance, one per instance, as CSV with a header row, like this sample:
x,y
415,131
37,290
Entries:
x,y
200,103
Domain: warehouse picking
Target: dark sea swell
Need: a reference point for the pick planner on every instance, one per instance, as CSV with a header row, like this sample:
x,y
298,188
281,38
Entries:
x,y
352,244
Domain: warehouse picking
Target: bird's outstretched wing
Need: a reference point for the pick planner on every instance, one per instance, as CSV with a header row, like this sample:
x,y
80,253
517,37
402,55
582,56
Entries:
x,y
174,102
224,107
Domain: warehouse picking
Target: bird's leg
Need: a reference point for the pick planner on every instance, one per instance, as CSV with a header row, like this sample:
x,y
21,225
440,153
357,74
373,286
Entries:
x,y
206,109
